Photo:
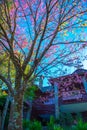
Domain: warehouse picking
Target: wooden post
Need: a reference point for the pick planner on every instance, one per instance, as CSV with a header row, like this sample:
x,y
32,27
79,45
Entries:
x,y
56,100
85,84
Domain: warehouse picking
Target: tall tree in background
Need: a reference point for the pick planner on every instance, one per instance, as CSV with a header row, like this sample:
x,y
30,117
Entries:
x,y
37,33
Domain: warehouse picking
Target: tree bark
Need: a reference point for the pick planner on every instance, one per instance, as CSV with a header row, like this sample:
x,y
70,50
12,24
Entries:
x,y
16,113
5,112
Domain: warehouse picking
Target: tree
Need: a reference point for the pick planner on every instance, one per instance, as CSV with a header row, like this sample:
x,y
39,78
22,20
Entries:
x,y
6,67
32,36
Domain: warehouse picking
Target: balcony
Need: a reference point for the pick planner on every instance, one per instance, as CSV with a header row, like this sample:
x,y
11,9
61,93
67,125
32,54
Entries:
x,y
76,102
73,97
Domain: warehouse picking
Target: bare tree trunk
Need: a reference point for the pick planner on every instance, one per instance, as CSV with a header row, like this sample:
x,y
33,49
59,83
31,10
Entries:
x,y
16,113
5,112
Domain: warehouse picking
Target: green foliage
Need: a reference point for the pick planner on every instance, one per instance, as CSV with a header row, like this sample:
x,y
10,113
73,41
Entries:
x,y
5,64
57,127
30,92
27,69
81,125
32,125
35,125
51,123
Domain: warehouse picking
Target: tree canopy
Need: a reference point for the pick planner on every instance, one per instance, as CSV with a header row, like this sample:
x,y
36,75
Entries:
x,y
37,35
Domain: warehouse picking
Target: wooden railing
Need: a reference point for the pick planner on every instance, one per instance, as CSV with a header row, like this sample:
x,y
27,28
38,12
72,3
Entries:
x,y
75,99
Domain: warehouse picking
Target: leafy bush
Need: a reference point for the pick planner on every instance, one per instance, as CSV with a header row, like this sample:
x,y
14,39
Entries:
x,y
35,125
81,125
57,127
51,123
32,125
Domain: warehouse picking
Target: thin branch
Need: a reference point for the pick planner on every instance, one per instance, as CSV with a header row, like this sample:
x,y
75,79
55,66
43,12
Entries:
x,y
7,83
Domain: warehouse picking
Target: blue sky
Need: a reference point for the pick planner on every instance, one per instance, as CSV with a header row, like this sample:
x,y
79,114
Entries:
x,y
72,33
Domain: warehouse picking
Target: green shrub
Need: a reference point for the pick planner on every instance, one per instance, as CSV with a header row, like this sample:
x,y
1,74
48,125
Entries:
x,y
35,125
57,127
81,125
51,123
32,125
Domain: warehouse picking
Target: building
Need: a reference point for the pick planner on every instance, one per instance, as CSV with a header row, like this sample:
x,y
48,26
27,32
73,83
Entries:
x,y
70,95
